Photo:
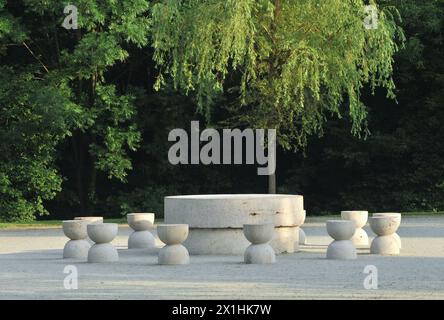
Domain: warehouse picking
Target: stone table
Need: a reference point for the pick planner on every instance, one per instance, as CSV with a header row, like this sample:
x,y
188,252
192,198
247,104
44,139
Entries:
x,y
216,221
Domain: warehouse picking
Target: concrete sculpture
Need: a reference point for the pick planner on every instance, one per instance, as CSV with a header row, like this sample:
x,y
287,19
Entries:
x,y
360,237
260,251
302,237
90,219
216,221
173,253
398,217
102,234
342,247
385,227
77,247
141,223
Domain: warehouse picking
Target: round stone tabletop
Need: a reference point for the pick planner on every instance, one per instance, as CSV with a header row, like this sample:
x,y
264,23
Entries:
x,y
233,210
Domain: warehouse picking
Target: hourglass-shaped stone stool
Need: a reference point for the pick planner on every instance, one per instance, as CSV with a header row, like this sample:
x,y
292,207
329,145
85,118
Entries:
x,y
385,227
173,253
260,251
102,234
342,247
77,247
141,223
302,237
398,217
90,219
360,237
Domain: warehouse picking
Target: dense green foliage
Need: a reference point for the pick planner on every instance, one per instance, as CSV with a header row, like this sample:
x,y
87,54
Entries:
x,y
83,130
58,88
294,61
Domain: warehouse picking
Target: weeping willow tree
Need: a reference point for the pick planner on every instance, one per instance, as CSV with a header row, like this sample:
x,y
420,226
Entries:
x,y
287,63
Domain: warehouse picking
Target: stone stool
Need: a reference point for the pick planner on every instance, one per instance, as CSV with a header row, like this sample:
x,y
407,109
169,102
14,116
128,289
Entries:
x,y
173,253
384,227
360,237
260,251
342,247
90,220
102,234
398,217
141,223
78,246
302,236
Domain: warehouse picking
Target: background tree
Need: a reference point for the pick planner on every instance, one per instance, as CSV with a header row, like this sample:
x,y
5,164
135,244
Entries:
x,y
57,70
289,63
46,110
400,164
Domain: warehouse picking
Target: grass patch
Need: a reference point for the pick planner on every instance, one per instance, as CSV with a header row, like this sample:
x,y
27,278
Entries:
x,y
46,224
41,224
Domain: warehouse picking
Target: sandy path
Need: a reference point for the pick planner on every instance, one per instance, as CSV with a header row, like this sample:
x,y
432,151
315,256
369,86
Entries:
x,y
31,268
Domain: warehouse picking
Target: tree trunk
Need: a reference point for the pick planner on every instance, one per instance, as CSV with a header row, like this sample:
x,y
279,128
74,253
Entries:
x,y
77,146
272,183
277,10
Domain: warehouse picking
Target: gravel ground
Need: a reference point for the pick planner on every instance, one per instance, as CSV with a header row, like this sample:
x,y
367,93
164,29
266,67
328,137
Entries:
x,y
31,267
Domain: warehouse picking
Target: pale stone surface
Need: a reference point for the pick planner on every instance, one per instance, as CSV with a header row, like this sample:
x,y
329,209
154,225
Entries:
x,y
74,229
140,221
360,237
90,219
259,233
341,229
173,253
31,268
385,245
387,241
398,239
395,215
172,233
259,254
216,221
359,217
102,252
103,232
342,248
233,241
302,237
233,210
141,240
76,249
300,218
285,240
260,251
398,218
384,225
